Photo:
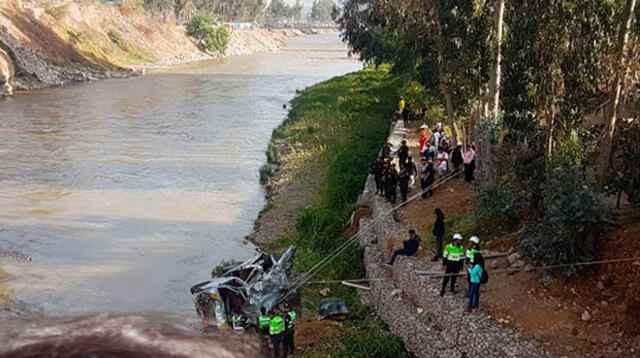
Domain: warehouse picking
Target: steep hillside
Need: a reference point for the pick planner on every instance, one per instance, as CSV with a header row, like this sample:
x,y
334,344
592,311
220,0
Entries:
x,y
71,42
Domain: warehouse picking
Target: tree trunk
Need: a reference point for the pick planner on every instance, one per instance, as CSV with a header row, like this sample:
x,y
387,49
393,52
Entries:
x,y
614,96
443,86
496,73
494,92
444,89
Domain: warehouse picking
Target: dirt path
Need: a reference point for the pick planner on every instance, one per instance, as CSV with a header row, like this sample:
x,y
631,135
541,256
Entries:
x,y
431,326
553,315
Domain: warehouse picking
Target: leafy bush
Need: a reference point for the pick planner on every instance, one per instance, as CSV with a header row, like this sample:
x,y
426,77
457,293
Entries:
x,y
573,211
212,38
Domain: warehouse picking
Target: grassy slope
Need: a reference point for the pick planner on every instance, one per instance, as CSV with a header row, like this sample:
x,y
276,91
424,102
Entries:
x,y
343,122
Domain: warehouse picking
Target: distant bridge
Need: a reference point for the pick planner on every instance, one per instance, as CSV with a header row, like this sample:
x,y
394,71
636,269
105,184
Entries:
x,y
300,25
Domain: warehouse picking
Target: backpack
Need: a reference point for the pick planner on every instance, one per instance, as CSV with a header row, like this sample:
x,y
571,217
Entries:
x,y
485,277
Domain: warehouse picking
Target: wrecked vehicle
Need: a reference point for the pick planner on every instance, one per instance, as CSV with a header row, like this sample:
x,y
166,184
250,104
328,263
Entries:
x,y
243,289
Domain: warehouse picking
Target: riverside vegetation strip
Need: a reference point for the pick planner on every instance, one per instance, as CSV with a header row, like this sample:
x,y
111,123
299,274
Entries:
x,y
337,128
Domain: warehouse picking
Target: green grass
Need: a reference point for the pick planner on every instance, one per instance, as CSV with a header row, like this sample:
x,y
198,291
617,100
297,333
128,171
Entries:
x,y
343,122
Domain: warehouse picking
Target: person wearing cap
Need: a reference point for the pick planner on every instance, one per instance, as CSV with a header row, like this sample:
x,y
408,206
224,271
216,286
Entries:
x,y
263,323
474,248
453,258
391,183
475,278
409,247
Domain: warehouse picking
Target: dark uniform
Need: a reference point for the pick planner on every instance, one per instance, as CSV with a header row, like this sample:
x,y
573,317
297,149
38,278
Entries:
x,y
391,184
403,181
377,169
403,153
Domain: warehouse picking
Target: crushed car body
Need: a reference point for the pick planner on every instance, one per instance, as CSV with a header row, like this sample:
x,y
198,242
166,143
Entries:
x,y
243,289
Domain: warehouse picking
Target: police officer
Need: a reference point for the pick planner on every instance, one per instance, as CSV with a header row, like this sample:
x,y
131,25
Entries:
x,y
403,180
453,259
276,332
290,324
263,323
377,169
391,183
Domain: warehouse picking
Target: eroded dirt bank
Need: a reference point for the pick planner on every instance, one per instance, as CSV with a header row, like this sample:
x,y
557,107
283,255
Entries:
x,y
73,42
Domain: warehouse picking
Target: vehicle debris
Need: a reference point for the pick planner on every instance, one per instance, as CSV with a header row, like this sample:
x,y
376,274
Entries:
x,y
243,289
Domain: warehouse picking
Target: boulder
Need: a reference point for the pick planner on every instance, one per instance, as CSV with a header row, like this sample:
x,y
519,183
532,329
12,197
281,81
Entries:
x,y
6,74
513,258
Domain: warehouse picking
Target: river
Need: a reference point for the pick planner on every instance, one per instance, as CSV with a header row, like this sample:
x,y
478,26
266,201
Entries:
x,y
118,195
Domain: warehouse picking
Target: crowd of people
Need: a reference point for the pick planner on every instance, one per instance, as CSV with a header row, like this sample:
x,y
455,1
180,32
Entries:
x,y
438,157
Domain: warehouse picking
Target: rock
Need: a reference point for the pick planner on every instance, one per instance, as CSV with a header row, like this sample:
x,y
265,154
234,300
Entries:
x,y
396,292
325,292
513,258
600,285
420,310
586,316
529,268
518,264
6,74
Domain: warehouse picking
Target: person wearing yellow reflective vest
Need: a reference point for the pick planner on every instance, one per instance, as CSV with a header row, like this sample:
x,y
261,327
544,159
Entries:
x,y
276,332
263,323
236,321
453,258
471,252
289,331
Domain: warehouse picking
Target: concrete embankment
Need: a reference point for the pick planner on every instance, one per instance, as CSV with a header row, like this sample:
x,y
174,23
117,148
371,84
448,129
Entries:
x,y
430,325
59,44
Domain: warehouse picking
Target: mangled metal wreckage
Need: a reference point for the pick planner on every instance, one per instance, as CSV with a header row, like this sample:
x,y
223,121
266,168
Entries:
x,y
243,289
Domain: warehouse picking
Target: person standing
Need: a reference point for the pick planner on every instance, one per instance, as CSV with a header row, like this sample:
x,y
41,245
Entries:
x,y
438,233
474,248
391,183
403,183
469,164
423,137
289,333
429,174
376,169
413,171
456,157
443,158
475,276
453,257
263,324
409,247
403,153
276,331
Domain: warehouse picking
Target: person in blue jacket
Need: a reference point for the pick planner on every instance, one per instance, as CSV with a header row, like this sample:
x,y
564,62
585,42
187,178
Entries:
x,y
409,247
475,276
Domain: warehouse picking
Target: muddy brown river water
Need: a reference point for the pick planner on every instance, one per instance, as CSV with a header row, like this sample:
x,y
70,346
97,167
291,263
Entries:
x,y
117,196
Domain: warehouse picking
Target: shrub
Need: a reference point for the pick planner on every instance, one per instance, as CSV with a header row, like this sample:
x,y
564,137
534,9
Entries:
x,y
212,38
573,211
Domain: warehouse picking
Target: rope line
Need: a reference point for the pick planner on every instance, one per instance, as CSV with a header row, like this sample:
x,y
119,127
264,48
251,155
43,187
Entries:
x,y
584,263
320,265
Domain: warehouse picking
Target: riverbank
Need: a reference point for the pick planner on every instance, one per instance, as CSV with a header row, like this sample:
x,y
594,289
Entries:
x,y
318,162
74,42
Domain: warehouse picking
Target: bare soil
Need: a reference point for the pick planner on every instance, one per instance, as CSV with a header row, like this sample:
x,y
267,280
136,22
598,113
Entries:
x,y
554,314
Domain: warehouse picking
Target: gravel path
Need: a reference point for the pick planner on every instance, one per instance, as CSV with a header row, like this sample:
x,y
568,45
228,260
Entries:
x,y
430,325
